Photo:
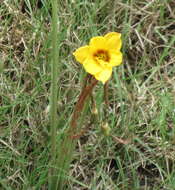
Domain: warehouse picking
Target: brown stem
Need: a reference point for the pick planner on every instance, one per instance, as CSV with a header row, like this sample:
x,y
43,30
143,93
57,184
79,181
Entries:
x,y
86,80
69,141
86,91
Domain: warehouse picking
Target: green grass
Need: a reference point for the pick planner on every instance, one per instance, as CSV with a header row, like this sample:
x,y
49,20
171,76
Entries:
x,y
141,94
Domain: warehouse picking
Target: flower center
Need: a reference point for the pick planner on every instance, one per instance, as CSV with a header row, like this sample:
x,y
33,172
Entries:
x,y
101,55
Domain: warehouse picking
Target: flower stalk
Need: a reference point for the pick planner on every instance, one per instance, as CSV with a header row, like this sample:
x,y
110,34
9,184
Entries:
x,y
70,139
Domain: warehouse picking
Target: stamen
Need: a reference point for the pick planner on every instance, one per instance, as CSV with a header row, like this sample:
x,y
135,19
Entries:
x,y
102,55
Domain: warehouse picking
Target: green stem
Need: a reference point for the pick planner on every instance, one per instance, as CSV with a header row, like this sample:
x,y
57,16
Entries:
x,y
54,89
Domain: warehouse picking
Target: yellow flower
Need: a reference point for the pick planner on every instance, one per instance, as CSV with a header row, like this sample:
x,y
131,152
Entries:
x,y
101,55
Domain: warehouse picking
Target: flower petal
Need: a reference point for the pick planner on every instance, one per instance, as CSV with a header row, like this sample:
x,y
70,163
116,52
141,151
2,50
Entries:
x,y
104,75
114,40
81,53
91,66
115,58
97,43
111,34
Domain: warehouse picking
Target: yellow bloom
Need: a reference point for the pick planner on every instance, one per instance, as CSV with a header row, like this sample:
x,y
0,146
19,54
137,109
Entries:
x,y
101,55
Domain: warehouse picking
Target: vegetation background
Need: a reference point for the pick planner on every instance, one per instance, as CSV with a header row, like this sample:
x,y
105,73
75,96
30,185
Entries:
x,y
141,94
